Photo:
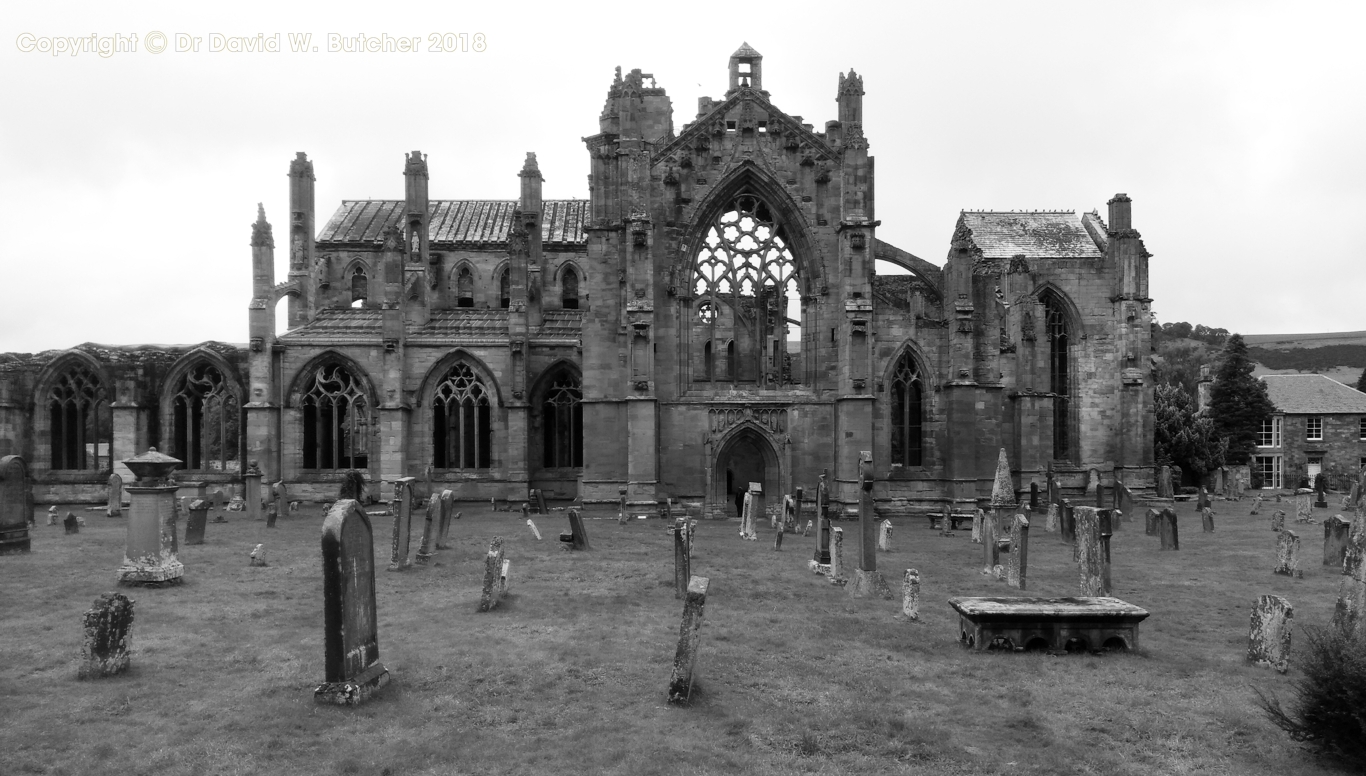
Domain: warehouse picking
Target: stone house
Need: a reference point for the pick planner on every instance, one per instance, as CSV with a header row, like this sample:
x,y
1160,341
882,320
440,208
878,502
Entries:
x,y
1319,426
709,315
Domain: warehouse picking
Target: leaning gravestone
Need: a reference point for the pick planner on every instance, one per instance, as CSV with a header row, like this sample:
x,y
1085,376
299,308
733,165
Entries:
x,y
350,636
495,575
1288,555
403,524
534,530
682,558
1207,519
114,508
689,637
108,636
16,505
1268,641
576,537
431,526
1336,530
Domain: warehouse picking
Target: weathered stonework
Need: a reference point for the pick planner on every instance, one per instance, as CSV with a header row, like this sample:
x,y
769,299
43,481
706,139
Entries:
x,y
1269,637
1288,555
108,637
689,638
910,594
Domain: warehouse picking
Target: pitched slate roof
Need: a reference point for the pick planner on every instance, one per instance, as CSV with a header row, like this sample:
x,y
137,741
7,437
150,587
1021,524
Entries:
x,y
457,222
339,324
1313,395
1039,234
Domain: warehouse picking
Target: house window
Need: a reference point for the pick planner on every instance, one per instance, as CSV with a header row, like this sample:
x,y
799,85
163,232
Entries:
x,y
1268,467
569,289
464,288
1270,433
562,421
907,414
1362,432
336,421
1313,428
204,414
81,421
461,425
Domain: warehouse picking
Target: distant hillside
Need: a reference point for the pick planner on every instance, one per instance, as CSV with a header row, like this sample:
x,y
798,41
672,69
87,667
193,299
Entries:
x,y
1339,355
1293,341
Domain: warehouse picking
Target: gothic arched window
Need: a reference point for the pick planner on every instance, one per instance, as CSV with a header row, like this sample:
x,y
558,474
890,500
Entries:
x,y
205,421
464,288
1058,330
569,289
81,423
360,287
505,289
461,427
562,421
907,414
746,264
336,420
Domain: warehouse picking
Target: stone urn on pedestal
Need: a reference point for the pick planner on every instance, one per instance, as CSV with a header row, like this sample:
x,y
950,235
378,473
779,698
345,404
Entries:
x,y
150,549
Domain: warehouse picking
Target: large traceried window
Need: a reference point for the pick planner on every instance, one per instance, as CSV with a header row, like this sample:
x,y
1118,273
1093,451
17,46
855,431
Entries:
x,y
336,421
748,291
461,425
562,421
205,421
82,425
907,411
1058,331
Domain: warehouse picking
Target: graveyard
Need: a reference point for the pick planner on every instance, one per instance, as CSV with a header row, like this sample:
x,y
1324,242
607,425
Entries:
x,y
570,671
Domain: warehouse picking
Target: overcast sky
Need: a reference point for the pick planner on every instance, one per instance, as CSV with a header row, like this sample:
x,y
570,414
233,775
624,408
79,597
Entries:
x,y
128,183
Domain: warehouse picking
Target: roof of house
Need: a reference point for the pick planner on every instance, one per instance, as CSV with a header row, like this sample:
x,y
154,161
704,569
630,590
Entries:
x,y
461,222
1035,234
1313,395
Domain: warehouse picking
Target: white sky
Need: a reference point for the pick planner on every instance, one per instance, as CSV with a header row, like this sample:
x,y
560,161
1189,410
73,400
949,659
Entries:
x,y
128,184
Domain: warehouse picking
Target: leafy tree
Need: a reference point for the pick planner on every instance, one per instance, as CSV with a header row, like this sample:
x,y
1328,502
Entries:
x,y
1238,402
1181,437
1179,363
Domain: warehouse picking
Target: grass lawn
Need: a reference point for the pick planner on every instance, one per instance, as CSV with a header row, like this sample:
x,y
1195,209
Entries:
x,y
569,674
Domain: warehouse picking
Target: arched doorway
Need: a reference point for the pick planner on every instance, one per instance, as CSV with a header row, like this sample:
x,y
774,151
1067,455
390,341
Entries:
x,y
746,456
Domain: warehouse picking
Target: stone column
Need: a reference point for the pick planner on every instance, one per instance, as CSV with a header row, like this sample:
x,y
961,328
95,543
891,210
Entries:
x,y
1269,638
150,552
822,554
867,520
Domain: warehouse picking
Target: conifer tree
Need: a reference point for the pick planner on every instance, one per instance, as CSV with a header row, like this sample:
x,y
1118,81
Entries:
x,y
1361,381
1182,437
1238,402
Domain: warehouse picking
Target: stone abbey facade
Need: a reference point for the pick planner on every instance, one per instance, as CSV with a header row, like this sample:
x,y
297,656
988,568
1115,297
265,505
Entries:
x,y
709,316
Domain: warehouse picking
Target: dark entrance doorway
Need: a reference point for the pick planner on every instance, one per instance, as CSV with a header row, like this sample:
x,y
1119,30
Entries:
x,y
747,457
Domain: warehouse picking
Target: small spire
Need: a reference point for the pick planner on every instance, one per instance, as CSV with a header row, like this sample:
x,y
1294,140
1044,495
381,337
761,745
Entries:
x,y
530,169
260,231
746,50
1003,491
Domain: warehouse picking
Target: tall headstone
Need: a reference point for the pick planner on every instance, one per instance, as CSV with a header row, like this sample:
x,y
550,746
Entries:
x,y
1278,520
758,507
540,502
838,574
1124,501
1164,482
1167,530
1017,566
1349,614
1268,641
884,536
867,520
431,528
1207,520
401,541
1150,519
682,558
991,553
108,637
198,520
689,638
281,497
1067,520
16,505
1336,531
114,507
150,548
495,575
1321,491
798,509
1003,501
447,502
1108,519
577,537
1202,500
1090,558
1303,506
427,493
1034,497
910,595
1054,490
350,633
978,524
1051,520
251,492
1288,555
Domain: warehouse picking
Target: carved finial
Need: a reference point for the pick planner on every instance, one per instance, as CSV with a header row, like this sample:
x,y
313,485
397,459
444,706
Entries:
x,y
530,169
261,236
415,164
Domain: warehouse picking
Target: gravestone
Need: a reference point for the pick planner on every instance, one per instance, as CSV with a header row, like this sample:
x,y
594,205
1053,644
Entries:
x,y
807,530
884,536
1090,558
682,558
114,507
447,503
350,635
1321,491
271,514
401,540
1167,530
52,517
219,503
837,570
1017,565
258,556
991,553
428,491
1278,520
1336,531
1164,482
822,554
431,526
1034,497
1067,522
1202,500
1003,501
867,520
789,514
150,546
576,538
1054,490
757,507
71,524
495,575
1207,520
797,510
251,491
978,524
1124,500
1150,520
534,530
108,637
1288,555
689,637
1108,519
16,506
1256,506
1268,641
946,523
1303,505
198,520
910,595
280,497
1092,481
1051,520
1349,614
540,503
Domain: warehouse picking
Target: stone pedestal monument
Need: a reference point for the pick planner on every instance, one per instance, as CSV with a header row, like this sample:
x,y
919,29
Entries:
x,y
150,549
